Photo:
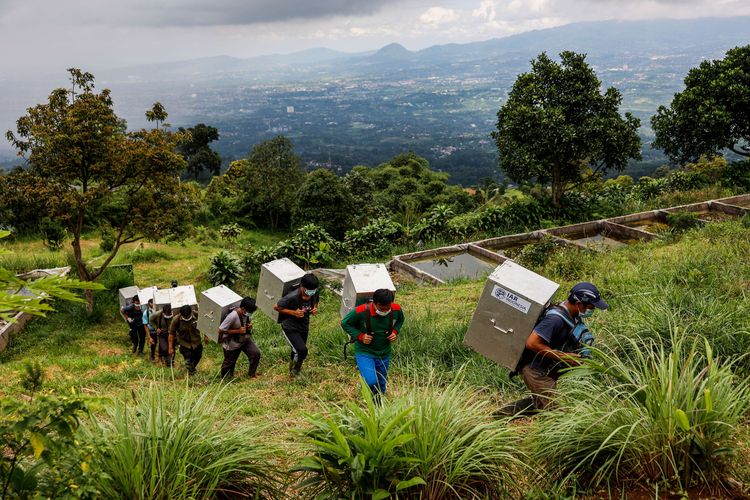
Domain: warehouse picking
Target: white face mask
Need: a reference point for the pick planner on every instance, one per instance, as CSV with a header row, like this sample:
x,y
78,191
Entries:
x,y
166,316
382,313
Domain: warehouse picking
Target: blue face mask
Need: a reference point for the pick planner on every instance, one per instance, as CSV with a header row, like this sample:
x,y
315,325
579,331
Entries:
x,y
310,293
587,314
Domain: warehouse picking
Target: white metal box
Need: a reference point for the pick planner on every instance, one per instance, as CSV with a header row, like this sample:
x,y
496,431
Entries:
x,y
360,282
183,295
215,303
126,295
146,294
510,304
277,278
162,297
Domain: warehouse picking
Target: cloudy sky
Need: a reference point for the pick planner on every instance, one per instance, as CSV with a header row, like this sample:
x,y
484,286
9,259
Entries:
x,y
42,35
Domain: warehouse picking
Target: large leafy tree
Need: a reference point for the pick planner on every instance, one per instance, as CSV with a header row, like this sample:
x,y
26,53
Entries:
x,y
324,200
269,179
711,114
198,153
557,125
82,159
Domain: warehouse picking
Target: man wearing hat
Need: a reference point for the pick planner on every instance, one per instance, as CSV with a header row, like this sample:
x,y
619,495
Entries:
x,y
548,348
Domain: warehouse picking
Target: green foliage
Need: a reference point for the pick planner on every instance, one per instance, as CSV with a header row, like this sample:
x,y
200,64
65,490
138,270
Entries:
x,y
536,254
664,411
433,442
376,238
557,123
435,225
107,243
324,200
682,221
184,446
142,254
230,232
737,175
309,245
198,153
41,456
53,233
225,269
711,114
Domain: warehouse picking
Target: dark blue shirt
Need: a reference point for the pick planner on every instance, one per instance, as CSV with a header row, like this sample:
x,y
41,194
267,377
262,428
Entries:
x,y
555,332
135,314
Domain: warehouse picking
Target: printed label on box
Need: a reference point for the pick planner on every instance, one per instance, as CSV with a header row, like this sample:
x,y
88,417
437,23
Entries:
x,y
511,299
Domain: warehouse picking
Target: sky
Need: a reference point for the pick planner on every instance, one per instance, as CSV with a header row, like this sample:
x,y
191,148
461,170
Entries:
x,y
50,35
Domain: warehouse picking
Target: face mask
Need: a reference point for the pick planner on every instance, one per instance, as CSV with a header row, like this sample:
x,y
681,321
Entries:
x,y
167,316
587,314
310,293
186,319
383,313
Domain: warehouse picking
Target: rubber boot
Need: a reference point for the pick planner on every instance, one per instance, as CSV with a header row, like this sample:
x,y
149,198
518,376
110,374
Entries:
x,y
522,407
296,369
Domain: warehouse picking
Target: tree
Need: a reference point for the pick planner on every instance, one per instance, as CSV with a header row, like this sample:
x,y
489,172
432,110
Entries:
x,y
711,114
269,179
557,124
324,200
196,150
82,159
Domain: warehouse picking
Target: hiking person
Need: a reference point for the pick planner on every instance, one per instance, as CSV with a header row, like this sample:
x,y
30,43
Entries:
x,y
152,339
235,338
184,328
552,346
295,309
374,327
133,315
159,323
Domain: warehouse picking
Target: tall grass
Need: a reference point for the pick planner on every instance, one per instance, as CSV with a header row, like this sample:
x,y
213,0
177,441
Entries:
x,y
432,442
663,412
168,447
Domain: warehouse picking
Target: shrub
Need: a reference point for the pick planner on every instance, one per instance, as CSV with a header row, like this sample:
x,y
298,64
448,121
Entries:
x,y
230,232
108,239
142,254
165,446
53,233
310,244
433,443
536,254
376,238
682,221
435,225
225,269
642,411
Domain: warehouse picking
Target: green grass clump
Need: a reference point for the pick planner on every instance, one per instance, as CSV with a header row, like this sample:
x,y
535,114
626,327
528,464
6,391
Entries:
x,y
146,255
178,447
431,442
663,414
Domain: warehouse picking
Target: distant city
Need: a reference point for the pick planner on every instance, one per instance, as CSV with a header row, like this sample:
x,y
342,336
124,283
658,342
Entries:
x,y
343,110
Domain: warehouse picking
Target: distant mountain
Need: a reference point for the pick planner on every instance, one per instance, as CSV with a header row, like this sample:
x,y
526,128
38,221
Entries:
x,y
393,52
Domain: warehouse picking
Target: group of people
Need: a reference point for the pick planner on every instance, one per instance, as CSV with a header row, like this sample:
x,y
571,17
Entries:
x,y
373,327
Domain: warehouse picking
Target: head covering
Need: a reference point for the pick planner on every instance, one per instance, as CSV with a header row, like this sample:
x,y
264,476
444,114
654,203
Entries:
x,y
588,294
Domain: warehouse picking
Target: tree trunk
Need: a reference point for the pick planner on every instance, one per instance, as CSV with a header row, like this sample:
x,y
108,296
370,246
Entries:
x,y
557,185
83,273
89,295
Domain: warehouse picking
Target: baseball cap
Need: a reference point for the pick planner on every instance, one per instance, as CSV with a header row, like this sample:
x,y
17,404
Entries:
x,y
588,294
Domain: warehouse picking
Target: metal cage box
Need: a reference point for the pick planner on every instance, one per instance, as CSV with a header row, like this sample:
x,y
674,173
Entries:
x,y
146,294
510,304
360,282
277,278
126,295
215,303
183,295
162,297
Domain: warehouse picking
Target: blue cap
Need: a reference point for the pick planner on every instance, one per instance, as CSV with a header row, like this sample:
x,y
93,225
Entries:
x,y
588,294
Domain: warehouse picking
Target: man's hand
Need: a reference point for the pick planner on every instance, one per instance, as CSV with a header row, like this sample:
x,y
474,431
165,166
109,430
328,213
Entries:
x,y
364,338
129,320
314,310
158,331
299,313
171,351
205,339
393,336
571,358
151,340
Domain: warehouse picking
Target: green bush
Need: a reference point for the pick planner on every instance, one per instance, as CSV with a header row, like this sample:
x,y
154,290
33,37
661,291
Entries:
x,y
141,254
434,442
225,269
108,240
664,411
682,221
376,238
53,233
168,446
230,232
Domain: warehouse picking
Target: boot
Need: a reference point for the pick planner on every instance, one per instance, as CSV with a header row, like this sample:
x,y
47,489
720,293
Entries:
x,y
296,369
291,366
522,407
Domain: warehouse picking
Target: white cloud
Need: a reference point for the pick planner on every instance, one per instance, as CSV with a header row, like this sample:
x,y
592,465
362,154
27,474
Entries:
x,y
436,16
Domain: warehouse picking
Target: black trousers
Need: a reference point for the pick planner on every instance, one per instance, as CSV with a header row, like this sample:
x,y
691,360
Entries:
x,y
192,357
137,337
164,350
153,342
230,358
298,343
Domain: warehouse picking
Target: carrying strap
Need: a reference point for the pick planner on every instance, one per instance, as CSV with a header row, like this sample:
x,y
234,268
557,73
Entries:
x,y
368,325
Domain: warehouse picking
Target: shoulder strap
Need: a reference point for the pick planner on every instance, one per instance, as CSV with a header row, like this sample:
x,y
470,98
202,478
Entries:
x,y
367,319
553,311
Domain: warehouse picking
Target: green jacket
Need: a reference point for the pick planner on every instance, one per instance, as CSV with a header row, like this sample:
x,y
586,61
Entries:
x,y
185,331
355,323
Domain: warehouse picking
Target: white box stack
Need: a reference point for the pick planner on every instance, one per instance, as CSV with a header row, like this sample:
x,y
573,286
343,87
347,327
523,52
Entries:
x,y
215,303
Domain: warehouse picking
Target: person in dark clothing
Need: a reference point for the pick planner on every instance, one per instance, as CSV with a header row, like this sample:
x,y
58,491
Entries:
x,y
159,322
133,315
184,328
546,352
374,327
235,338
294,311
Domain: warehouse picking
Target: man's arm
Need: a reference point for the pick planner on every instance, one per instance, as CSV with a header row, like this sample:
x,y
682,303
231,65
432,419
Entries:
x,y
352,324
538,345
124,316
226,326
282,308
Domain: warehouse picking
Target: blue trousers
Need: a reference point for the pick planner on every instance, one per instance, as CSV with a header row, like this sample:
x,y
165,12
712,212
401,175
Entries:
x,y
374,371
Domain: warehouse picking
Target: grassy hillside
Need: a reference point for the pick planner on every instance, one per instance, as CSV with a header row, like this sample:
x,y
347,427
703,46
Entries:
x,y
696,284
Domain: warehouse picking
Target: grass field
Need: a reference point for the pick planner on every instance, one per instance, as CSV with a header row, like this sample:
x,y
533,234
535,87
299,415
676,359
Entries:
x,y
697,283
